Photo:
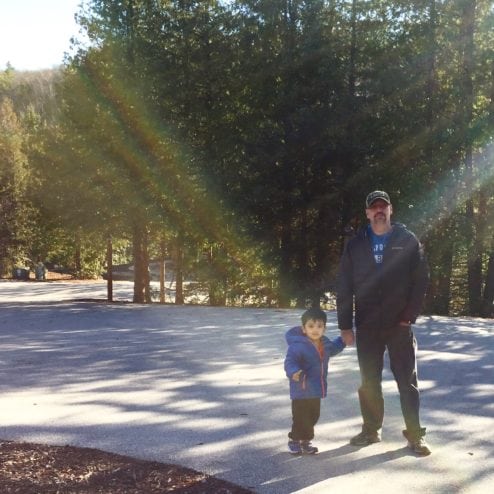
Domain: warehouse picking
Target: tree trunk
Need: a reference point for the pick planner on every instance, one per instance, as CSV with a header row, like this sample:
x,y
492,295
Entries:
x,y
78,255
431,87
284,285
179,274
109,269
488,297
142,293
217,286
440,249
162,272
345,166
474,262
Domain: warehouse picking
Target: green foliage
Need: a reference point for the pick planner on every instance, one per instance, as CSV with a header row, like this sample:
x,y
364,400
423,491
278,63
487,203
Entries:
x,y
246,135
15,210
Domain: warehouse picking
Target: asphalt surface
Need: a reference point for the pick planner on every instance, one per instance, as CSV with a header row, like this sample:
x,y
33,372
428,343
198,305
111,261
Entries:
x,y
204,387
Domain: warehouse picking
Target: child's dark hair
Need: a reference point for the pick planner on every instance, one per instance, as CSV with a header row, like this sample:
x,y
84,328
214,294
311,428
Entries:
x,y
314,314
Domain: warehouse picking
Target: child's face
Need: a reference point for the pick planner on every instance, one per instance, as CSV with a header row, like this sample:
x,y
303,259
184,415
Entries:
x,y
314,329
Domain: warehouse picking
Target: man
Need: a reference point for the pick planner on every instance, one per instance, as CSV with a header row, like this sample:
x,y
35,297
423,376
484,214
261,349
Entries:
x,y
383,272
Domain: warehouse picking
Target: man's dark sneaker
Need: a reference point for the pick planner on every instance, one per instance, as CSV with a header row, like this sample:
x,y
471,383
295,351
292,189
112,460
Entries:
x,y
307,448
419,446
365,438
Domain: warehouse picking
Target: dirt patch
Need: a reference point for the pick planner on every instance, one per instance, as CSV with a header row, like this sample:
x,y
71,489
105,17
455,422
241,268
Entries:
x,y
27,468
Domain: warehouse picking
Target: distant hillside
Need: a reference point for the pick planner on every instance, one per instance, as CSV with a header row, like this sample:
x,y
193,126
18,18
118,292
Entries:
x,y
32,91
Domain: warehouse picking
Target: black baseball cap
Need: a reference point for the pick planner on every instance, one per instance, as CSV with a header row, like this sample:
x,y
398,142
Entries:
x,y
374,196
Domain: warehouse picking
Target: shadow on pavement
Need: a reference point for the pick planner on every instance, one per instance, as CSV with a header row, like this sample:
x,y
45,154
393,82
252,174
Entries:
x,y
205,387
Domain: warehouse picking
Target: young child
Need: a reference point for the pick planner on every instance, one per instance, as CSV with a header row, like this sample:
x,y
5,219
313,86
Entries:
x,y
306,365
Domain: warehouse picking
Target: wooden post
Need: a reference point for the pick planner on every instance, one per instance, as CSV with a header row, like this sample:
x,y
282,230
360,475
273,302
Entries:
x,y
109,269
162,272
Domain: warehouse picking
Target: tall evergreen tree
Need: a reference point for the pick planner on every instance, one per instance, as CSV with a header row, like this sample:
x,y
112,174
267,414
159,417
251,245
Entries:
x,y
14,178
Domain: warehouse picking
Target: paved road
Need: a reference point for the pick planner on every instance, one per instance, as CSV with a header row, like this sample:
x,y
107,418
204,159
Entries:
x,y
204,387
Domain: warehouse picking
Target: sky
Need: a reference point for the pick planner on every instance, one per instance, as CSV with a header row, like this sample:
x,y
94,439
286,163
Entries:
x,y
35,34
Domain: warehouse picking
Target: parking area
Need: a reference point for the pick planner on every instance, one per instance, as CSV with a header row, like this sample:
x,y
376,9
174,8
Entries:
x,y
204,387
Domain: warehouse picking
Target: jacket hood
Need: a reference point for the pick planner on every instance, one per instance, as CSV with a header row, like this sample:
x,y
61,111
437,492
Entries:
x,y
295,334
397,228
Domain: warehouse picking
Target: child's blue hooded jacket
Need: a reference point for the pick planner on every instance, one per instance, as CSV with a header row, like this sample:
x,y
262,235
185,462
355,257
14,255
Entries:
x,y
302,354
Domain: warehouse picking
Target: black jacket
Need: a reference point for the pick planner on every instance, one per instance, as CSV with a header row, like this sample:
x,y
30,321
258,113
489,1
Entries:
x,y
387,294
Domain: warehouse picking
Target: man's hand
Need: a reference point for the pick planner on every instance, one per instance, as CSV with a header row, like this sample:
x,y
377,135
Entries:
x,y
296,375
348,336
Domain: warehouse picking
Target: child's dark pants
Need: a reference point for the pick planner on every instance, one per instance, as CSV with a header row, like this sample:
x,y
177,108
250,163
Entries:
x,y
305,414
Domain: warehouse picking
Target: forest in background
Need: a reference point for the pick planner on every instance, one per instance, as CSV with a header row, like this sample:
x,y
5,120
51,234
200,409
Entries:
x,y
240,139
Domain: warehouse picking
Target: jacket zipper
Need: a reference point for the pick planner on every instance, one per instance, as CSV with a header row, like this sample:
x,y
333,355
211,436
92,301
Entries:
x,y
323,389
321,373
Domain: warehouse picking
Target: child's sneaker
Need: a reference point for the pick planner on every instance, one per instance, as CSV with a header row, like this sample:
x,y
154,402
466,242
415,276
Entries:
x,y
301,448
294,447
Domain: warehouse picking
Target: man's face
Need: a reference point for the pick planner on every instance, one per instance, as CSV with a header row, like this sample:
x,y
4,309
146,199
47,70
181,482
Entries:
x,y
379,212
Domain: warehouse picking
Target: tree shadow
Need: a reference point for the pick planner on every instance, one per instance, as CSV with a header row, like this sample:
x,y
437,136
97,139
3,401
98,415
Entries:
x,y
205,387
